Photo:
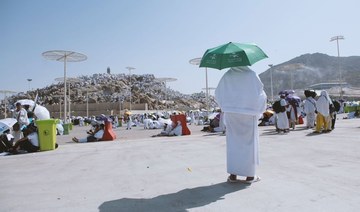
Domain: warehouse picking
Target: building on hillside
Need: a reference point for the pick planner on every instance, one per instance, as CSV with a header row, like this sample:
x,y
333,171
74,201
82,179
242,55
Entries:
x,y
328,85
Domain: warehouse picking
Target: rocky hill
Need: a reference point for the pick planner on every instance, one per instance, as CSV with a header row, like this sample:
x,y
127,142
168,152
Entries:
x,y
107,88
309,69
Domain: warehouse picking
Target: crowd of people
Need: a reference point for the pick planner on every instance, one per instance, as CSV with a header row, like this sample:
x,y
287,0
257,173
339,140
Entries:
x,y
318,110
23,135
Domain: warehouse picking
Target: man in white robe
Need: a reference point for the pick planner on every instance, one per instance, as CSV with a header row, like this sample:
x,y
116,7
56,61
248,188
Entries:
x,y
309,110
282,119
241,97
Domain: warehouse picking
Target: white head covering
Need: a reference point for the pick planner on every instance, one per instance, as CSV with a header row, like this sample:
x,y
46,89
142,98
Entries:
x,y
240,90
323,102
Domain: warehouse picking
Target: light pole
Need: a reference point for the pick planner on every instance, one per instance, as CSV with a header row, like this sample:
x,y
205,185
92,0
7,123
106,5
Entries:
x,y
209,94
69,80
59,96
337,38
29,80
130,68
196,61
87,103
271,82
166,79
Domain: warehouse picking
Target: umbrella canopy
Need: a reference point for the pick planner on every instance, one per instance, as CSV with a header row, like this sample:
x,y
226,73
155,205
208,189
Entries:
x,y
41,112
6,123
212,115
29,102
232,55
293,98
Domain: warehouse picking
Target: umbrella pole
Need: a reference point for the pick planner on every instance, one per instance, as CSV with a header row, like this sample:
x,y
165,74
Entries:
x,y
87,103
207,90
69,100
60,109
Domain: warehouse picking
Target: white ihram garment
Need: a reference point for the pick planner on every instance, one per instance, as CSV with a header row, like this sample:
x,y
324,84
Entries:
x,y
241,96
282,119
309,109
242,144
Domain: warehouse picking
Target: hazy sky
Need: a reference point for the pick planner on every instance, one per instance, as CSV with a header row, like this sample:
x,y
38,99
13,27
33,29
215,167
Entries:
x,y
160,36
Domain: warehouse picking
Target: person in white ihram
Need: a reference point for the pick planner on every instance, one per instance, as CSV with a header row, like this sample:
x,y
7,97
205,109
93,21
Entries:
x,y
241,97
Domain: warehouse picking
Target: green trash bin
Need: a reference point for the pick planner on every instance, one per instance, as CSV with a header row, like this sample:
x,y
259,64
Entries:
x,y
66,129
47,134
70,126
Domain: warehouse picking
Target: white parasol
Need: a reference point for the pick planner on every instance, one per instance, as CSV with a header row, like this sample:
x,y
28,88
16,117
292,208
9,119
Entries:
x,y
6,123
41,112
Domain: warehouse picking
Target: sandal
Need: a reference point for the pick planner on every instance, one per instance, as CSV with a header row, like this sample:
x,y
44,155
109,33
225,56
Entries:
x,y
256,179
229,180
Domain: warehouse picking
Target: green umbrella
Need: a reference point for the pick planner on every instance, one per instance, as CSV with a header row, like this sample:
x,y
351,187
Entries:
x,y
232,55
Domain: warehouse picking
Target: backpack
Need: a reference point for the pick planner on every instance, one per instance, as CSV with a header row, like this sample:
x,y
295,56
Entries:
x,y
336,105
277,107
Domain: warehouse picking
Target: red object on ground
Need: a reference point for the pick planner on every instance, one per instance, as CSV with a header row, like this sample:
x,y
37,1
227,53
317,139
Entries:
x,y
301,120
109,134
182,118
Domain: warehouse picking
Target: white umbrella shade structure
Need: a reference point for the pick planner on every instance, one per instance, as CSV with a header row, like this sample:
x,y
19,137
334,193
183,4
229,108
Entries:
x,y
6,124
64,56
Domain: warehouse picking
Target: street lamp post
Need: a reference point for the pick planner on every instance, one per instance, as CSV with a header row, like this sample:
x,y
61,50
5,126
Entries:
x,y
196,61
29,80
337,38
209,94
59,96
69,80
271,82
130,68
166,79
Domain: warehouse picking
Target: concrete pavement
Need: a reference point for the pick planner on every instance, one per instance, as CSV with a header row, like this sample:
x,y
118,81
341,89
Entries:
x,y
300,171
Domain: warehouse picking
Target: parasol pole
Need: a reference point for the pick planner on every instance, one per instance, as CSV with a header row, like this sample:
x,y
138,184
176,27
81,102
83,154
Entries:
x,y
207,90
65,99
87,103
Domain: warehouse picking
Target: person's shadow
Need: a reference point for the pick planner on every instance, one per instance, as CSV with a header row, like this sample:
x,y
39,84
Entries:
x,y
179,201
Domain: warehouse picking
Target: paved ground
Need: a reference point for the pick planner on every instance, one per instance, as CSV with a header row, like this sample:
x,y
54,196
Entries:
x,y
300,172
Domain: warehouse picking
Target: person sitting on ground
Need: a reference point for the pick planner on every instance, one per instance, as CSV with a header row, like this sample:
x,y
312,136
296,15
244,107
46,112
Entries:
x,y
94,136
29,143
174,130
177,129
6,141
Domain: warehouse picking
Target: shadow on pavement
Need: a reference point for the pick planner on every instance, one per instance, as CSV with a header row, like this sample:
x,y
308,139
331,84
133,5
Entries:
x,y
179,201
313,134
